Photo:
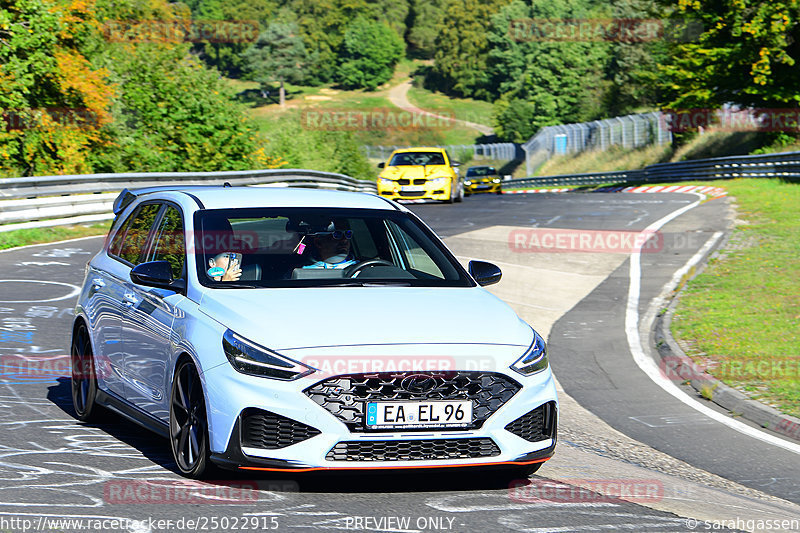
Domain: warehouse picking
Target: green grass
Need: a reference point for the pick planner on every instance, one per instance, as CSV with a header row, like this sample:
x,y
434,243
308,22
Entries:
x,y
467,109
610,160
24,237
742,313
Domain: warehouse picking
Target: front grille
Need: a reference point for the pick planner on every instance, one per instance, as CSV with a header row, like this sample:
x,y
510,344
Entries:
x,y
536,425
404,182
345,396
412,193
413,450
422,181
270,431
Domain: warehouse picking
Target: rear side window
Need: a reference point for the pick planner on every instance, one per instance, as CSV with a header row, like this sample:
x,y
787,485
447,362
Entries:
x,y
169,241
134,241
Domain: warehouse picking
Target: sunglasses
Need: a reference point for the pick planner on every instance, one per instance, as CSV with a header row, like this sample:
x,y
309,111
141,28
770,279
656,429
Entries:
x,y
339,235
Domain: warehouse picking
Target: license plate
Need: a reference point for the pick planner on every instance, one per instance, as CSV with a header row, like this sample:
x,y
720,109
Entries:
x,y
482,187
419,414
407,188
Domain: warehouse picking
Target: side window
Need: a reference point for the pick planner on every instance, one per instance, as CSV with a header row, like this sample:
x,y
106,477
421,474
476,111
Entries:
x,y
136,237
119,237
169,244
413,255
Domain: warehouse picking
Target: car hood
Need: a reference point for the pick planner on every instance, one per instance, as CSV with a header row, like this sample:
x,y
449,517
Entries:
x,y
352,316
414,171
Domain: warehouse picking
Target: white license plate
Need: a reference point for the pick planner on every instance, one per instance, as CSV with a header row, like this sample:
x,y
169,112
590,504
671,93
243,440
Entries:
x,y
482,187
419,414
408,188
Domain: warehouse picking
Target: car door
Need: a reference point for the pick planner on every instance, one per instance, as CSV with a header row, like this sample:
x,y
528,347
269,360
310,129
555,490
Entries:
x,y
107,275
148,321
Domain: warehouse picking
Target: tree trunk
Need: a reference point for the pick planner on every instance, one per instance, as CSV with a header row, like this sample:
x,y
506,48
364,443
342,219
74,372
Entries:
x,y
282,95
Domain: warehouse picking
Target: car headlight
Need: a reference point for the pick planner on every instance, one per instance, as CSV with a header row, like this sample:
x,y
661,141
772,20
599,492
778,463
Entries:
x,y
467,182
385,181
439,181
496,180
252,359
534,359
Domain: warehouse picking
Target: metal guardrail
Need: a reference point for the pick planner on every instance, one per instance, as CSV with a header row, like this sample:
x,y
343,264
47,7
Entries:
x,y
494,151
786,165
56,200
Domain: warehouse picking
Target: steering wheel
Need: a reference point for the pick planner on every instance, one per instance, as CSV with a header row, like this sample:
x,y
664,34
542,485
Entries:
x,y
352,270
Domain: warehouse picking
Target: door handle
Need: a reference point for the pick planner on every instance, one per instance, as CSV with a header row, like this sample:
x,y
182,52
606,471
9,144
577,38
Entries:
x,y
129,299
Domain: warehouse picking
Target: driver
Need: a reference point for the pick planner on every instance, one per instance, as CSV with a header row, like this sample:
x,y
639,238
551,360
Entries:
x,y
330,249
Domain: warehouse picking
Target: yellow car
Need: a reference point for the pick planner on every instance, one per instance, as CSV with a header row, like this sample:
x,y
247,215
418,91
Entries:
x,y
420,173
481,179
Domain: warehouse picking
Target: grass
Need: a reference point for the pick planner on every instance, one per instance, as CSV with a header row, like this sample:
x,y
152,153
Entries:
x,y
740,318
606,161
24,237
477,111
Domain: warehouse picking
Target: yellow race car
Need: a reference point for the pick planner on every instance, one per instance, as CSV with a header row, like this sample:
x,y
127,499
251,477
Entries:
x,y
420,173
482,179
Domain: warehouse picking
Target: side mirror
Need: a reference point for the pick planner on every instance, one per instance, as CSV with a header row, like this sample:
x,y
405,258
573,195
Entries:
x,y
156,274
484,273
381,164
455,164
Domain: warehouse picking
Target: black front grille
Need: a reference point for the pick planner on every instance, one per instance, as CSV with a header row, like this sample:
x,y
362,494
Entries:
x,y
422,181
345,396
412,193
269,431
536,425
404,182
413,450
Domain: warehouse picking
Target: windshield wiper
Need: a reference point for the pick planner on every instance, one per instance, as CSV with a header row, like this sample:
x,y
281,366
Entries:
x,y
234,285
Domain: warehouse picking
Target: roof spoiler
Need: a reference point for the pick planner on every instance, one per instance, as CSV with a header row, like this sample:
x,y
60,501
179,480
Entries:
x,y
122,201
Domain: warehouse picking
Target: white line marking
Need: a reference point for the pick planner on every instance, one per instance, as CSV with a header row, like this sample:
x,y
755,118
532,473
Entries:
x,y
75,290
649,366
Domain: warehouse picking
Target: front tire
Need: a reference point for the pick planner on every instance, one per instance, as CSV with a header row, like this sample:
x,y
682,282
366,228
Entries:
x,y
460,195
188,425
84,378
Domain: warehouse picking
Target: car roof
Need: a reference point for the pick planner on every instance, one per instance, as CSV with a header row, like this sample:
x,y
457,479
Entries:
x,y
218,197
420,149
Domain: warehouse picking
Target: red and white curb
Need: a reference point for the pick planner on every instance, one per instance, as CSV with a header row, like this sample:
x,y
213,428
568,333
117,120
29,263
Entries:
x,y
710,192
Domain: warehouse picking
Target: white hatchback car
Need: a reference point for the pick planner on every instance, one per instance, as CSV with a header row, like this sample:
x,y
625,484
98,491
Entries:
x,y
296,330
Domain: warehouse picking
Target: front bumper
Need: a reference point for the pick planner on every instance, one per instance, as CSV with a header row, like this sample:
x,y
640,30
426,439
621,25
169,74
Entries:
x,y
335,446
427,191
482,186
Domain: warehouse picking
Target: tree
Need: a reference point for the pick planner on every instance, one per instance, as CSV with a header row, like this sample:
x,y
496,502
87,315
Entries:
x,y
423,27
462,47
746,54
371,51
278,55
544,80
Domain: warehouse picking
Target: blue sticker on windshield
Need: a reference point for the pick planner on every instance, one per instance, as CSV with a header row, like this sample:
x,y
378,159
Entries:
x,y
216,271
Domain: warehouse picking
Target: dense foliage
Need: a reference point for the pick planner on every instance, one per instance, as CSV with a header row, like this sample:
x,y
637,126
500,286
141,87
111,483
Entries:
x,y
111,85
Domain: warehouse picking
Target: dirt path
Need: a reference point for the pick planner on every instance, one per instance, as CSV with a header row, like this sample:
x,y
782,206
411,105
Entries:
x,y
398,96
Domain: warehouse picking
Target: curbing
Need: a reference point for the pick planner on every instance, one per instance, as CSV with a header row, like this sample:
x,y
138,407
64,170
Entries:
x,y
675,361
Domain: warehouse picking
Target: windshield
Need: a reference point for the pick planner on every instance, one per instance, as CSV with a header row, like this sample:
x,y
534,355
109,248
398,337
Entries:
x,y
417,158
481,171
272,247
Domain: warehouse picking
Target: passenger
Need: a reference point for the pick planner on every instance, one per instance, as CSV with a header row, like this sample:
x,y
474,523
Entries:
x,y
221,262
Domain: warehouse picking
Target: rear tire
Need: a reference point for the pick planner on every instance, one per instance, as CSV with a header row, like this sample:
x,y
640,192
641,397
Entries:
x,y
83,377
188,424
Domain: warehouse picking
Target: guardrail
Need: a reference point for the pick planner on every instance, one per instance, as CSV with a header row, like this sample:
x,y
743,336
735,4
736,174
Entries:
x,y
786,165
58,200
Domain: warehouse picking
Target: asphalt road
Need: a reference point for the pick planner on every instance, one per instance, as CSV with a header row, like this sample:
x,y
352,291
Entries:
x,y
54,467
